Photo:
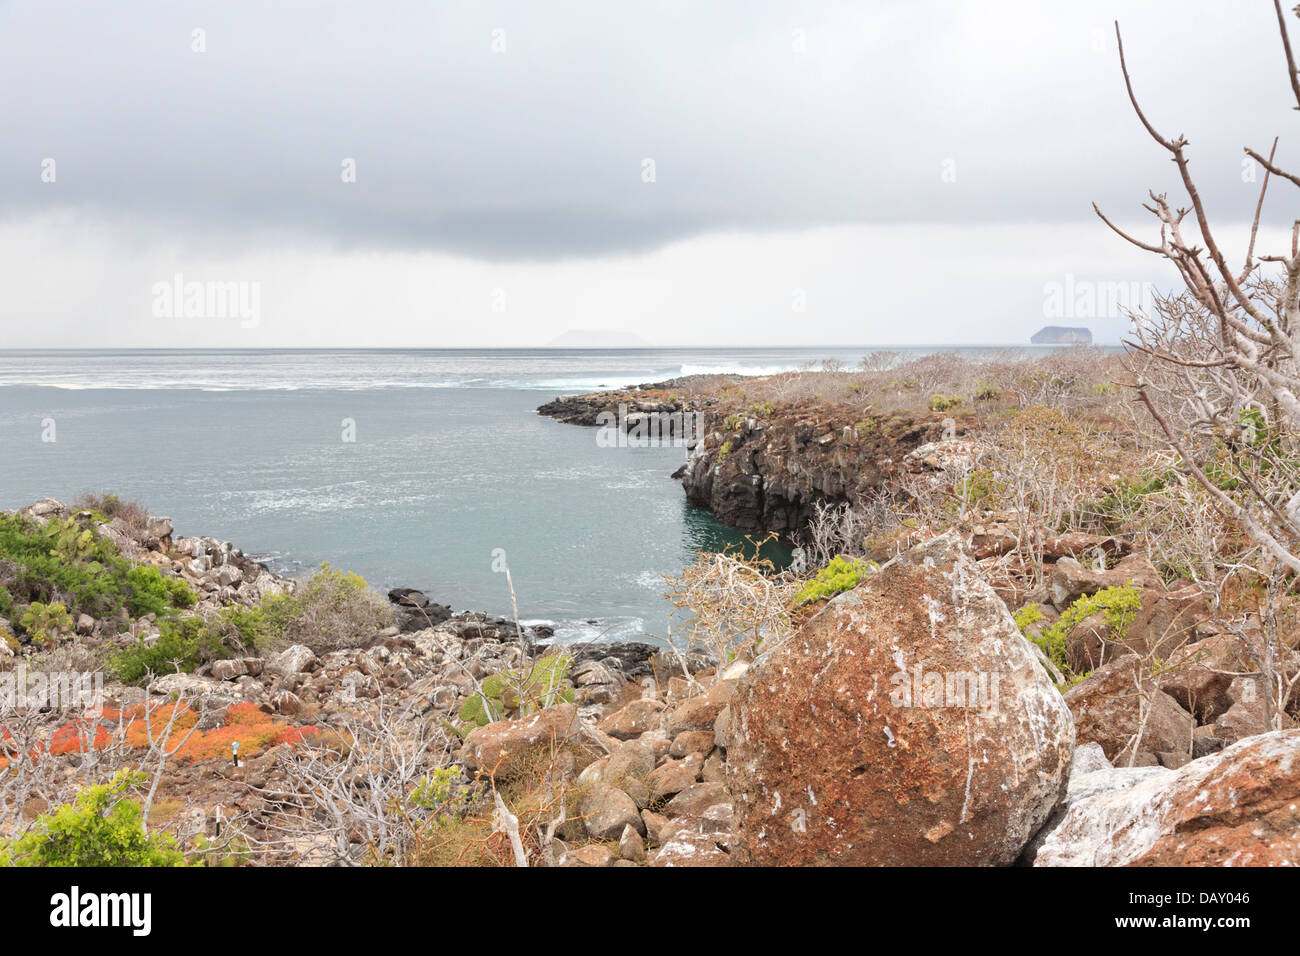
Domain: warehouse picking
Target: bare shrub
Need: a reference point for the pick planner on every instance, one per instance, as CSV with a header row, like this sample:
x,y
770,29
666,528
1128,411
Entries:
x,y
131,513
331,610
731,605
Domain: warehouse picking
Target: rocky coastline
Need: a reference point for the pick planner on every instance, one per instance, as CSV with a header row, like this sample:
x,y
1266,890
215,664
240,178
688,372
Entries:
x,y
966,692
684,761
761,467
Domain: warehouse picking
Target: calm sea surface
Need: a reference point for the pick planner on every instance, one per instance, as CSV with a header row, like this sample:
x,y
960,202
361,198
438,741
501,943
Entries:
x,y
450,461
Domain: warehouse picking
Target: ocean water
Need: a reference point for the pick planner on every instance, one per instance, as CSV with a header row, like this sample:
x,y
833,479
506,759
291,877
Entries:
x,y
449,463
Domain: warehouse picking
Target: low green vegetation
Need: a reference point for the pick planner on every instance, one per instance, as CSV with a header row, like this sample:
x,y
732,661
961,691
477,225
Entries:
x,y
69,563
521,692
44,623
1119,604
102,827
182,644
331,609
838,576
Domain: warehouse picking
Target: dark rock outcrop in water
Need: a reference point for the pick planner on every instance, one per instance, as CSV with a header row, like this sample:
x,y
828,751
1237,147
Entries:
x,y
768,473
765,468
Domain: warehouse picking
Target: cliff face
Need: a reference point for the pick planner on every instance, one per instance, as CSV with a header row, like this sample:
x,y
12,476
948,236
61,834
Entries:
x,y
764,468
767,474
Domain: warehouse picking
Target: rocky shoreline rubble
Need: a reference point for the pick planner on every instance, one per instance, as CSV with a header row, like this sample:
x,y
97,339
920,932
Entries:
x,y
907,722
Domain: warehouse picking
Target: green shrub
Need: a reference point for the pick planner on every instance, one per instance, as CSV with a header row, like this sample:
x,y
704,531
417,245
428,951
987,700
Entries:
x,y
63,561
981,489
45,623
725,450
183,643
101,827
522,691
332,609
943,403
152,593
839,575
1120,605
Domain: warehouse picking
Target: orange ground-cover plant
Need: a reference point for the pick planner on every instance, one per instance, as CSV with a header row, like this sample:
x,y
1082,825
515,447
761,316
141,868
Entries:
x,y
245,723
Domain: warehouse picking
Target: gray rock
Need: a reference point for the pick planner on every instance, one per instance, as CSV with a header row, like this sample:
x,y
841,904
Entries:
x,y
607,810
292,660
229,669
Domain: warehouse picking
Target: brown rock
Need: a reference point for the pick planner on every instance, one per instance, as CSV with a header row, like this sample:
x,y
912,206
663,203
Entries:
x,y
286,702
1070,580
607,810
699,713
1200,674
715,768
838,752
633,720
1088,644
631,846
687,847
229,669
655,824
1167,621
695,799
1108,709
692,742
629,768
671,779
721,726
592,854
1242,720
509,748
658,741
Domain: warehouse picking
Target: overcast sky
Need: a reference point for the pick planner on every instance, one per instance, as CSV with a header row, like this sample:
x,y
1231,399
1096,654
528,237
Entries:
x,y
731,172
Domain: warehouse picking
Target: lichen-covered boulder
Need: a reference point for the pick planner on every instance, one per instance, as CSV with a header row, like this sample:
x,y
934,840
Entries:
x,y
1239,807
908,723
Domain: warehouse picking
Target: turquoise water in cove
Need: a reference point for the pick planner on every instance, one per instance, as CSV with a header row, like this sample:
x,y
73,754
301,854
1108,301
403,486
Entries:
x,y
450,461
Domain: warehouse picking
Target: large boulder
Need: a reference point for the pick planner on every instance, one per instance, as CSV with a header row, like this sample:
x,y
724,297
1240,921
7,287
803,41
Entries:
x,y
296,659
514,748
633,720
607,810
1168,621
1119,700
907,723
1239,807
1087,782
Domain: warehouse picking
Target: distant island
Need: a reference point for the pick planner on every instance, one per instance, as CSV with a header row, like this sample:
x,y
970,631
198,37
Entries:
x,y
1061,335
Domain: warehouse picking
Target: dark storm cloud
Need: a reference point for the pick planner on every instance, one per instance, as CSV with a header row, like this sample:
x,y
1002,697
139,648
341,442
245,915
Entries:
x,y
757,116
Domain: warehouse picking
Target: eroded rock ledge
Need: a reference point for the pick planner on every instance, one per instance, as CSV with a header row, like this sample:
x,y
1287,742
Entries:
x,y
760,467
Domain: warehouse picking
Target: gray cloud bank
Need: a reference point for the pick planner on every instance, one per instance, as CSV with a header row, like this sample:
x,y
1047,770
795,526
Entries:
x,y
758,116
